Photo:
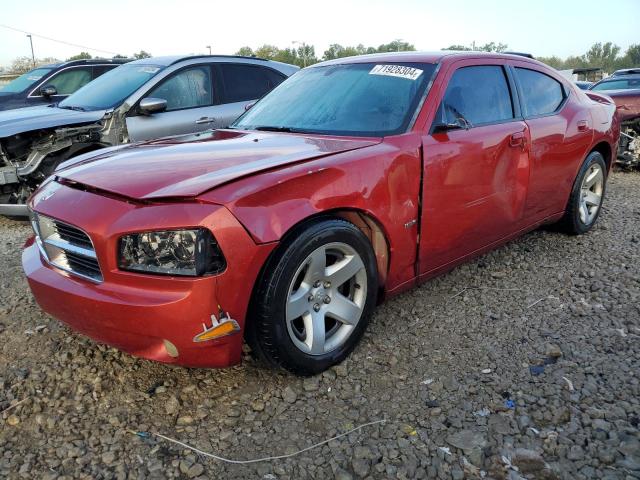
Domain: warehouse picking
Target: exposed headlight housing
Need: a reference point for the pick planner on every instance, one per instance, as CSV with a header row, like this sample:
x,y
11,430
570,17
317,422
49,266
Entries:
x,y
193,253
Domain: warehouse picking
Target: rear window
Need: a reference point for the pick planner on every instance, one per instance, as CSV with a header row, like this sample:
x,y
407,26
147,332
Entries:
x,y
622,84
541,94
247,82
477,94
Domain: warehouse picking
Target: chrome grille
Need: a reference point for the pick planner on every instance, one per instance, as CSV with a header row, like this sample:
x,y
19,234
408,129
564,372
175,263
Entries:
x,y
66,247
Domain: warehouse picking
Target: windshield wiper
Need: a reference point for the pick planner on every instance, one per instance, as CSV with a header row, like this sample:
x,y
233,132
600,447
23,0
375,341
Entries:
x,y
269,128
73,107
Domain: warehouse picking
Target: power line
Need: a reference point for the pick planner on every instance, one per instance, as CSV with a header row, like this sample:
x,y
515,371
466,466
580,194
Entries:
x,y
58,41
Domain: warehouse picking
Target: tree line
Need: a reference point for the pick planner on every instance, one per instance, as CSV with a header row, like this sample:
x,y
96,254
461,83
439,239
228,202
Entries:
x,y
607,55
24,64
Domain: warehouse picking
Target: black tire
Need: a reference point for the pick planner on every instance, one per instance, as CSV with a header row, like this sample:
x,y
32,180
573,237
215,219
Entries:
x,y
267,330
572,223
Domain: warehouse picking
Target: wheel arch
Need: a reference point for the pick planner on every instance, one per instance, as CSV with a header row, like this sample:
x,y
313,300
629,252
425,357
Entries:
x,y
370,226
604,149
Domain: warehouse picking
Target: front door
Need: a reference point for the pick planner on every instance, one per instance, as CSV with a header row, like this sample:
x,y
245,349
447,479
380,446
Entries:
x,y
190,106
476,166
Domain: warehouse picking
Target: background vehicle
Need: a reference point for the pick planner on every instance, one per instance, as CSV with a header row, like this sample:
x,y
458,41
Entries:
x,y
141,100
626,71
583,85
354,180
624,90
53,83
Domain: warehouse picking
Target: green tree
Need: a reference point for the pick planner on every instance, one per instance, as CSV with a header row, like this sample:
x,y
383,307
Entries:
x,y
462,48
553,61
117,55
141,54
267,51
338,51
306,55
492,47
396,46
245,51
487,47
603,55
81,56
288,55
631,57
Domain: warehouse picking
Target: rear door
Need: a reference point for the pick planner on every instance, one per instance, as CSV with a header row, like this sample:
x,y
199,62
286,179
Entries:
x,y
240,85
476,170
191,105
561,132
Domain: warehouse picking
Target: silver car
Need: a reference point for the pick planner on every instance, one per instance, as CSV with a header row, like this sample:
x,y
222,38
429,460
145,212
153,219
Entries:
x,y
141,100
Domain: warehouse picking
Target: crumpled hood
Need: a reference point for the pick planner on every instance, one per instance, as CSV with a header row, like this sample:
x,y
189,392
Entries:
x,y
29,119
187,166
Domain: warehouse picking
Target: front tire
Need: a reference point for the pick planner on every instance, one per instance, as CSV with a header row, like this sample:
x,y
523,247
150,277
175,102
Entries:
x,y
587,196
314,298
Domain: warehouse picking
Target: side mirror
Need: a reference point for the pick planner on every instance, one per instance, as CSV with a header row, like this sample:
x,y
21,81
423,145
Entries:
x,y
48,91
249,106
149,106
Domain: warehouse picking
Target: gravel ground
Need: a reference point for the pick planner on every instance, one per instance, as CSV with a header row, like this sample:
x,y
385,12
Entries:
x,y
524,363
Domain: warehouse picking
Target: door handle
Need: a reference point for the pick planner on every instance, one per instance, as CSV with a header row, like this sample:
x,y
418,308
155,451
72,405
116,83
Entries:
x,y
583,125
205,120
518,139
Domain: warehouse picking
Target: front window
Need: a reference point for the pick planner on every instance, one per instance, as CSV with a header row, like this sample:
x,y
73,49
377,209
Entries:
x,y
360,99
68,81
112,88
188,88
25,80
626,84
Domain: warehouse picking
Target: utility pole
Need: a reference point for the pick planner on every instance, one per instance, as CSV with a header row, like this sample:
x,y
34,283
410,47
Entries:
x,y
209,47
33,57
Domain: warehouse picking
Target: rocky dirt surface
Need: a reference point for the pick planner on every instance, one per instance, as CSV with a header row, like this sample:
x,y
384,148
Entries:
x,y
523,363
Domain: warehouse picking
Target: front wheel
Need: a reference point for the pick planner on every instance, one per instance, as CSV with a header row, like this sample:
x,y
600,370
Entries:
x,y
587,196
314,299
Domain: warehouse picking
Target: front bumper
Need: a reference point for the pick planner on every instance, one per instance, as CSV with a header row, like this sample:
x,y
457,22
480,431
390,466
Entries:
x,y
149,316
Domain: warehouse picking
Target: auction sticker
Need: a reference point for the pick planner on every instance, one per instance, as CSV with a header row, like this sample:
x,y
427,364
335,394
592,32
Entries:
x,y
399,71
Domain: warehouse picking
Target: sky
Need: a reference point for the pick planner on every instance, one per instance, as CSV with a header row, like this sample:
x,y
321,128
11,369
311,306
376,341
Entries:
x,y
167,27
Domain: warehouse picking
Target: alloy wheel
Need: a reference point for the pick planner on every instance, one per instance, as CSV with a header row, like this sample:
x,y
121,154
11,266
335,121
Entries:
x,y
326,298
591,194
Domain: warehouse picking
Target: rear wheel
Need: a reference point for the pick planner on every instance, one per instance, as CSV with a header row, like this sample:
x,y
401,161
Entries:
x,y
315,298
587,196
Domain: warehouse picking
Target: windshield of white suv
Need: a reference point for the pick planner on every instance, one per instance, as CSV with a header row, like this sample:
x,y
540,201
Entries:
x,y
25,80
112,88
359,99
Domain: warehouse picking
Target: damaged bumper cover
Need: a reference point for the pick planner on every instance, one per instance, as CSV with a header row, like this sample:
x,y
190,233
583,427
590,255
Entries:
x,y
157,317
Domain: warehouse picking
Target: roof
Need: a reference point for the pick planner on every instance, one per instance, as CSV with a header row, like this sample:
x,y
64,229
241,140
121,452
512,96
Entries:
x,y
172,59
618,78
626,71
421,57
91,61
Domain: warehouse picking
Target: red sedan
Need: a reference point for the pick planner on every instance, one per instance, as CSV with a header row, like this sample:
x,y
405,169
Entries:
x,y
352,181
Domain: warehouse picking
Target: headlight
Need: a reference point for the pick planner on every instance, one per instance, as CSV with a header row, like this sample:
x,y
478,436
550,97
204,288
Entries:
x,y
171,252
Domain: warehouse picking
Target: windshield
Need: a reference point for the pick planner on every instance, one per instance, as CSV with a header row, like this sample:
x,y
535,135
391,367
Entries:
x,y
360,99
621,84
25,80
110,89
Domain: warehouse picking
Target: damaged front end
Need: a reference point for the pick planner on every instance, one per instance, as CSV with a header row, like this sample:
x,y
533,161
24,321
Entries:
x,y
27,158
629,146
